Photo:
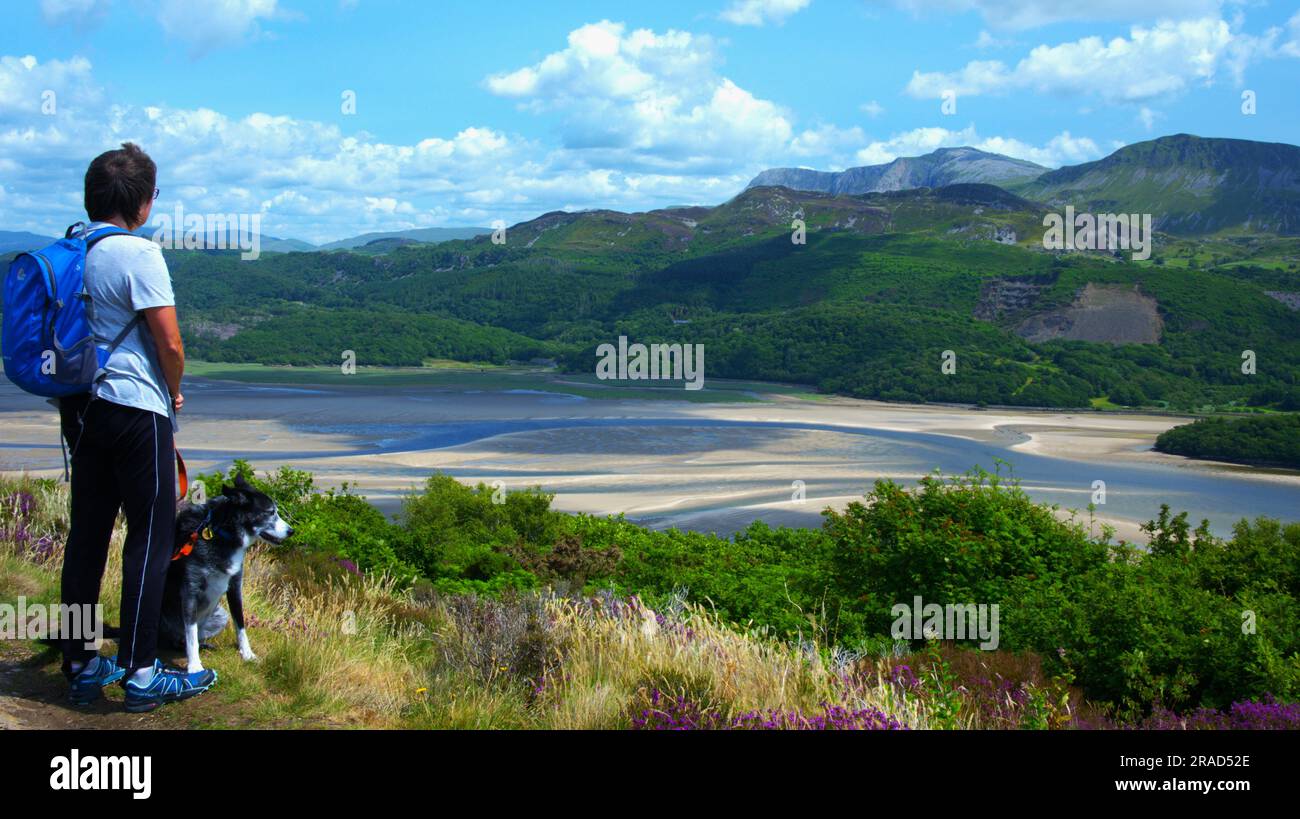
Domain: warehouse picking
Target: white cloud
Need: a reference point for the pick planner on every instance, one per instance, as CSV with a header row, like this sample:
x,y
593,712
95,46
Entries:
x,y
77,13
1060,150
215,23
1019,15
828,143
912,143
645,120
760,12
601,61
1291,48
388,205
312,180
647,101
1151,62
987,41
872,109
24,83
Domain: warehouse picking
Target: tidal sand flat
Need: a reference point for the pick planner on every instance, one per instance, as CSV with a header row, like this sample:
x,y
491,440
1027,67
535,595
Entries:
x,y
665,461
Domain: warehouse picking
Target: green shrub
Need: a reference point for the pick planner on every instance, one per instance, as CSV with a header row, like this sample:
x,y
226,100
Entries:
x,y
1191,620
974,539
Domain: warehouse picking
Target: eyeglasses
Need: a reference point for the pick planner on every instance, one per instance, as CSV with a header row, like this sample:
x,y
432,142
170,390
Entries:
x,y
155,193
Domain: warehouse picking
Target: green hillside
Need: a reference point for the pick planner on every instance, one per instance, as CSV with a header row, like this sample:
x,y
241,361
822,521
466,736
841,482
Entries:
x,y
882,285
1191,185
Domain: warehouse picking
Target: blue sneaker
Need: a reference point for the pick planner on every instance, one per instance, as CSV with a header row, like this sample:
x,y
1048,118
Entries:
x,y
88,685
167,685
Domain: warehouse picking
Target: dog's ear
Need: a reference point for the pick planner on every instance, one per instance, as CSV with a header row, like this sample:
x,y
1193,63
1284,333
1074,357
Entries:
x,y
233,493
241,483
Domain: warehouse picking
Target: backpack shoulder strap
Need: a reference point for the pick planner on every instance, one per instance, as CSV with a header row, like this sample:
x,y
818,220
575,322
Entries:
x,y
94,238
125,331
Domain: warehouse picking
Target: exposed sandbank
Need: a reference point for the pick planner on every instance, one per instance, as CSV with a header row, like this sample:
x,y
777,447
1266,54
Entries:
x,y
707,477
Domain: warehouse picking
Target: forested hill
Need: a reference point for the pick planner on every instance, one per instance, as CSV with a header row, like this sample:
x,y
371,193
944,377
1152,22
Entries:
x,y
1192,185
1189,184
1268,440
867,305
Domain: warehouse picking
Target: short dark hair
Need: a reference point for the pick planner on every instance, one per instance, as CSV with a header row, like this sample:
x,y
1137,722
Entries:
x,y
119,183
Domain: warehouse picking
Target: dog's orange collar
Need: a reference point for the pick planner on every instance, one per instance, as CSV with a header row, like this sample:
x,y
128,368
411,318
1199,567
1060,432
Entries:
x,y
188,546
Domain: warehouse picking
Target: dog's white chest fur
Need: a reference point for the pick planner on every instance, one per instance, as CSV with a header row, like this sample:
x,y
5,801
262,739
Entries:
x,y
236,562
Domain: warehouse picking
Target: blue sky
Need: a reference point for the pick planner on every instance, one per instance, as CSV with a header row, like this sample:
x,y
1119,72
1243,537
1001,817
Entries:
x,y
470,112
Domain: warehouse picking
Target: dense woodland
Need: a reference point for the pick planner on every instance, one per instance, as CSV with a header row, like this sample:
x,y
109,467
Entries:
x,y
1269,440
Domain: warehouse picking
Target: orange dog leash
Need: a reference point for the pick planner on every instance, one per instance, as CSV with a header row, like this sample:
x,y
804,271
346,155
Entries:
x,y
181,475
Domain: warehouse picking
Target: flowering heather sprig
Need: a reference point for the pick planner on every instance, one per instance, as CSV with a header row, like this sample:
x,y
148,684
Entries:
x,y
674,626
43,548
682,714
20,506
549,681
673,620
605,603
904,677
22,502
1000,702
1267,714
831,718
291,625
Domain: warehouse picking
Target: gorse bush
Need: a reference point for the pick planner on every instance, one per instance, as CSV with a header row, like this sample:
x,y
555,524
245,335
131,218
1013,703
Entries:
x,y
1192,620
976,539
468,540
1196,619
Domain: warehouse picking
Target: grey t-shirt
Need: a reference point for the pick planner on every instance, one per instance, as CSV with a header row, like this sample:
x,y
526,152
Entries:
x,y
126,274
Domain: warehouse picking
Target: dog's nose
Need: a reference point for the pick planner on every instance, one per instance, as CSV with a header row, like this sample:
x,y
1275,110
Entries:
x,y
290,532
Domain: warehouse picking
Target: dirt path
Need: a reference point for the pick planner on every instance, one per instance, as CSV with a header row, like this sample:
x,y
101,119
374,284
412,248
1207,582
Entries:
x,y
32,690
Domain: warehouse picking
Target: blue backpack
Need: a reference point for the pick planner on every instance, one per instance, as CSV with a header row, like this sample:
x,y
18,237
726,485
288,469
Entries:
x,y
47,344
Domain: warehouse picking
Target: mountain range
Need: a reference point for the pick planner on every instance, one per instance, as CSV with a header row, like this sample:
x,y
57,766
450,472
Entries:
x,y
433,234
1190,184
946,166
18,241
861,299
862,304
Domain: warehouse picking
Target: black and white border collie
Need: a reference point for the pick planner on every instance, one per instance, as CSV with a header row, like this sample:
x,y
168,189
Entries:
x,y
226,525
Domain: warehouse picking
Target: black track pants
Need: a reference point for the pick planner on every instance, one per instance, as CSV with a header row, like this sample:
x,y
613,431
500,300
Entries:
x,y
122,457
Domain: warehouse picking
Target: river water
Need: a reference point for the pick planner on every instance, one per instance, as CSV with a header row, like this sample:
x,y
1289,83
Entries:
x,y
664,463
